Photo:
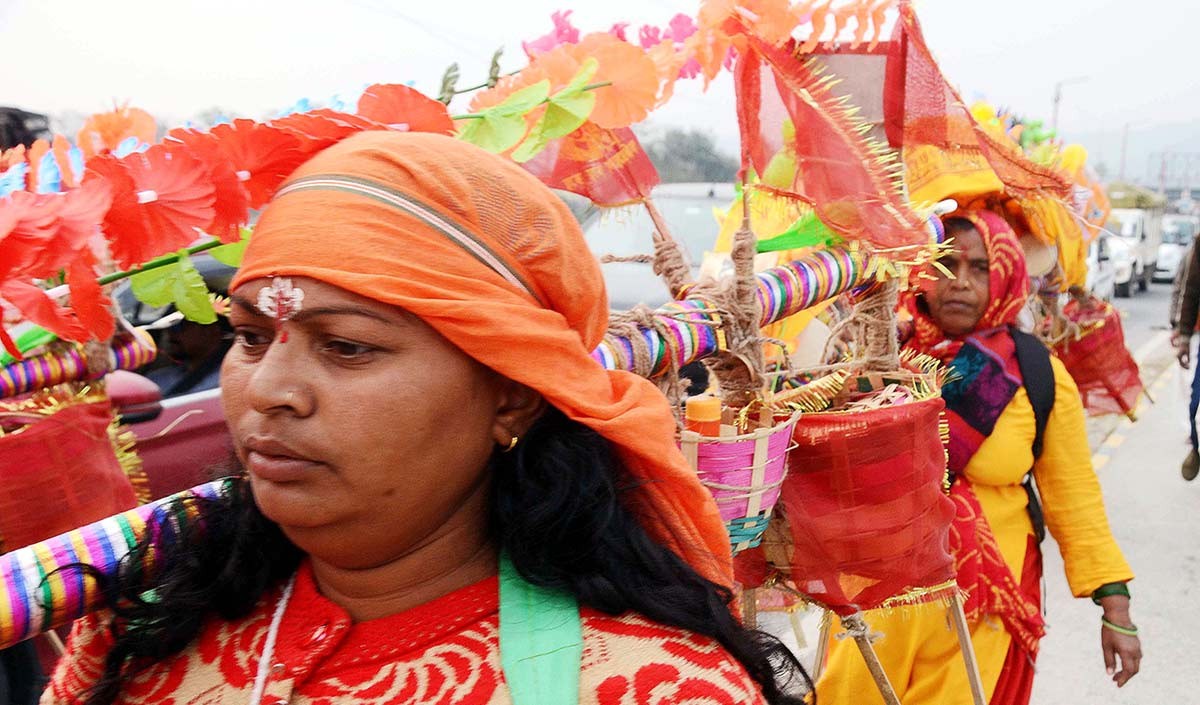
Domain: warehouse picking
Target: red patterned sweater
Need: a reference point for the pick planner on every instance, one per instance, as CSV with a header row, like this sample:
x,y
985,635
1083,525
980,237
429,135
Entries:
x,y
446,651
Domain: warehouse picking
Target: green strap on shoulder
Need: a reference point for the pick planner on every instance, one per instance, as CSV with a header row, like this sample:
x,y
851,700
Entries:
x,y
541,641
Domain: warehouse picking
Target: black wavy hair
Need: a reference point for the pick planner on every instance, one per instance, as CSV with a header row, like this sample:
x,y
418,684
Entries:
x,y
555,507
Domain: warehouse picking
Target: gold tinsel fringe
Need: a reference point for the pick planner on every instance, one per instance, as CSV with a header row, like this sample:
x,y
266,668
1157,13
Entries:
x,y
123,444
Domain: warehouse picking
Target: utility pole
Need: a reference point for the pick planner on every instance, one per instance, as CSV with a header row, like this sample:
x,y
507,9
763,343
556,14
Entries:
x,y
1124,148
1058,86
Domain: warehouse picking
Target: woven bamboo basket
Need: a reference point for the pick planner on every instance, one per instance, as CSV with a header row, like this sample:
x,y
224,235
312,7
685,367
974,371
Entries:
x,y
744,472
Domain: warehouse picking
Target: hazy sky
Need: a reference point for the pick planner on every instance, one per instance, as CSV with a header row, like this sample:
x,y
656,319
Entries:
x,y
253,57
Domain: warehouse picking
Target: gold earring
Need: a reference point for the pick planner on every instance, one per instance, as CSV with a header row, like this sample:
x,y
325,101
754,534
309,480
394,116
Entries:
x,y
511,444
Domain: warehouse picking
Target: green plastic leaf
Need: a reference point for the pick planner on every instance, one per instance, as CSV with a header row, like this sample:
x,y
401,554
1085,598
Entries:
x,y
570,107
191,294
523,100
565,112
178,283
153,286
31,337
807,231
232,253
494,132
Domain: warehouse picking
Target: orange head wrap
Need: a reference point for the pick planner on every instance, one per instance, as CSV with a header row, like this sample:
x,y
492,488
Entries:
x,y
494,261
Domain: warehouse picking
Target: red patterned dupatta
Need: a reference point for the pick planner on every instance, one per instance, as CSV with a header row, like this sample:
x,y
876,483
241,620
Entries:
x,y
985,378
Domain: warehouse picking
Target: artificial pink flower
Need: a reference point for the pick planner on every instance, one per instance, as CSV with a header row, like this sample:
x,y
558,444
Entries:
x,y
563,33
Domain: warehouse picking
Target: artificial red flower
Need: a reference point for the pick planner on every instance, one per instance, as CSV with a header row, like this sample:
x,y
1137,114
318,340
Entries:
x,y
40,309
319,131
79,219
393,104
231,201
160,198
262,156
29,246
92,308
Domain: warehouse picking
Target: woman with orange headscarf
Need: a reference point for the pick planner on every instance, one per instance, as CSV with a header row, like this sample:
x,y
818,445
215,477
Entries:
x,y
441,497
999,378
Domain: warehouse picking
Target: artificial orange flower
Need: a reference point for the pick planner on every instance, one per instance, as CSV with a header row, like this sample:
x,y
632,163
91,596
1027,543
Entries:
x,y
632,75
104,131
37,150
668,60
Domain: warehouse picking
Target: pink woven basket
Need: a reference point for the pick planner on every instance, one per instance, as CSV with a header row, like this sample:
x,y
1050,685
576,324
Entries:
x,y
744,473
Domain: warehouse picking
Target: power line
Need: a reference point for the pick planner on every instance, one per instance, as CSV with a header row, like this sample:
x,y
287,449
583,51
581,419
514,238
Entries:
x,y
425,27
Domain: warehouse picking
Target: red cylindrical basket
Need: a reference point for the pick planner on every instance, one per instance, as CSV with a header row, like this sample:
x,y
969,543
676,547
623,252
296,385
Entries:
x,y
1105,372
59,471
865,506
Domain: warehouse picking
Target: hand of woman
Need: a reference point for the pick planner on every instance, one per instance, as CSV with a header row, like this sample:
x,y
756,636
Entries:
x,y
1183,349
1116,645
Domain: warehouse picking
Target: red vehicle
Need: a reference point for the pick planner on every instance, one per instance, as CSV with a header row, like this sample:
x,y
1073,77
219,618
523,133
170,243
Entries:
x,y
176,415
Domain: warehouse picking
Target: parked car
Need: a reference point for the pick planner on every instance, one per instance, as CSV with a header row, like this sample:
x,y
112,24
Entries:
x,y
687,209
1124,264
180,437
1101,270
1178,231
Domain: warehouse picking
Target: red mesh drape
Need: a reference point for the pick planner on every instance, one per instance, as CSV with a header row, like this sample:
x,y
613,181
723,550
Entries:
x,y
1105,372
59,473
923,108
836,170
609,167
865,505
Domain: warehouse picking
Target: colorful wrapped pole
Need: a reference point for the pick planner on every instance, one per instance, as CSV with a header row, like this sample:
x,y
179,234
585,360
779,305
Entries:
x,y
36,596
688,330
71,365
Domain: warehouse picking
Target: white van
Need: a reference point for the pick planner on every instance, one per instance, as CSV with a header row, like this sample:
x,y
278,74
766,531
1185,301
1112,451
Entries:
x,y
1142,230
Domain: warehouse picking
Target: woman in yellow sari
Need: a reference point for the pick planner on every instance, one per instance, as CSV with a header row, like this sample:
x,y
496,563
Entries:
x,y
967,321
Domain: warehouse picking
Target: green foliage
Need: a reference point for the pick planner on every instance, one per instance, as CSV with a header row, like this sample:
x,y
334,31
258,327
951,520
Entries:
x,y
178,283
689,156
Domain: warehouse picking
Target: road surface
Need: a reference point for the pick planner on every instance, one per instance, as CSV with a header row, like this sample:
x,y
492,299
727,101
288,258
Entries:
x,y
1153,512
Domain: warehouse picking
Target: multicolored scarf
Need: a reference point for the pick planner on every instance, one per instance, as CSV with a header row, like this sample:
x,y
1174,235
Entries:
x,y
985,377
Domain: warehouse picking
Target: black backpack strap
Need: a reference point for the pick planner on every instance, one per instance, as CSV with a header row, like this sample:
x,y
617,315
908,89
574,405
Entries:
x,y
1038,374
1034,360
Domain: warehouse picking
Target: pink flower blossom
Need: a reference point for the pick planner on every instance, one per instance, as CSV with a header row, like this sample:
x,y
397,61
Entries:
x,y
618,31
563,33
649,36
680,27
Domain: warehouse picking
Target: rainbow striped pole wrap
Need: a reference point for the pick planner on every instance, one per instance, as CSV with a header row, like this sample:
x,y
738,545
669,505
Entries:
x,y
34,598
688,330
70,365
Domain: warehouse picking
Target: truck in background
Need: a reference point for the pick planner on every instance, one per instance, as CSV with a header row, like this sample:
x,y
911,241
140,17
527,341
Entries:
x,y
1136,218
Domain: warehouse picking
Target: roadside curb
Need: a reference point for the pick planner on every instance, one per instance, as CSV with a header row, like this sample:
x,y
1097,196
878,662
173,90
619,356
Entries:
x,y
1107,433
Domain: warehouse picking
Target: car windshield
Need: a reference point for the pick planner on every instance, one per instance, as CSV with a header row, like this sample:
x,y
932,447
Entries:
x,y
1178,232
627,232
